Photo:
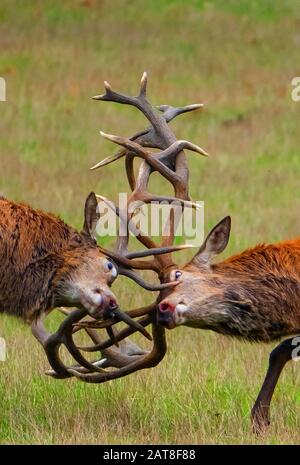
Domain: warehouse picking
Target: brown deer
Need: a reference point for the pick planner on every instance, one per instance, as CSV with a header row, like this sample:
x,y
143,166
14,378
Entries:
x,y
254,296
46,263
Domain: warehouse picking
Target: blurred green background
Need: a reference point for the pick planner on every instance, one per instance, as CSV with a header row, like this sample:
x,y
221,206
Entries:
x,y
236,57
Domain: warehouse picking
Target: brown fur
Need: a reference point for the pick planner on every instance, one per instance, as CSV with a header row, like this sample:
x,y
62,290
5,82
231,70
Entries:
x,y
254,295
38,252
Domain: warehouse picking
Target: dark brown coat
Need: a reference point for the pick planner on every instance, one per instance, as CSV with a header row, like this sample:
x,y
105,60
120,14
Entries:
x,y
44,262
254,295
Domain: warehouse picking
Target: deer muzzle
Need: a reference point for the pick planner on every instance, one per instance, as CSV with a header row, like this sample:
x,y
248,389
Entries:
x,y
170,314
106,303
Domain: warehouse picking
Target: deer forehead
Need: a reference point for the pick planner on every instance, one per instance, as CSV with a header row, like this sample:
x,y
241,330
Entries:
x,y
92,265
196,287
95,257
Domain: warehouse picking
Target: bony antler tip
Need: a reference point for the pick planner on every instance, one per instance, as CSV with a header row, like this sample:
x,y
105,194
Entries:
x,y
107,86
106,136
143,84
144,77
202,151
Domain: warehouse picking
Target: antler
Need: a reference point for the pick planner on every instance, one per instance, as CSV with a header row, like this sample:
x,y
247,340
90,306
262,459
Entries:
x,y
171,163
64,336
126,356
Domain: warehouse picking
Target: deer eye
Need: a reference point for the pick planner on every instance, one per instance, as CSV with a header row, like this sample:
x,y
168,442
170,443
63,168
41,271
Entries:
x,y
111,268
177,274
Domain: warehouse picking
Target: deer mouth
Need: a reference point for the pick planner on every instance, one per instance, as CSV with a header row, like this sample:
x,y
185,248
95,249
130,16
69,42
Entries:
x,y
106,309
98,313
100,306
166,319
169,324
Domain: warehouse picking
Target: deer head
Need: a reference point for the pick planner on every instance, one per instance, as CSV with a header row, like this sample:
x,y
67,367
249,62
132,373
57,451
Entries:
x,y
194,301
85,274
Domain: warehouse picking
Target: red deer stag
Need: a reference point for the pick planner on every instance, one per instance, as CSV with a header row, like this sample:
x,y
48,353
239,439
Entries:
x,y
45,264
254,295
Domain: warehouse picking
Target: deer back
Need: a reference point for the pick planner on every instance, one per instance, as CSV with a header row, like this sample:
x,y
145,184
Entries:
x,y
31,244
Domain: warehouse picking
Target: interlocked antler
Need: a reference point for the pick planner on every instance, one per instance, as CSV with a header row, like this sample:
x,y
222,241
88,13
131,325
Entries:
x,y
171,163
64,335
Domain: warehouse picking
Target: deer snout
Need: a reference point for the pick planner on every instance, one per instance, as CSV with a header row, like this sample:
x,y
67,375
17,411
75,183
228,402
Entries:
x,y
166,311
166,307
171,314
106,303
110,305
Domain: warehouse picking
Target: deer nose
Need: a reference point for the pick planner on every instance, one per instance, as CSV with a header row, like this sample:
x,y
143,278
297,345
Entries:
x,y
166,307
112,304
109,305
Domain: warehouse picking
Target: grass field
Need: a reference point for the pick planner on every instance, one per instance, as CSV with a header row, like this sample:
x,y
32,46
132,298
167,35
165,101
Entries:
x,y
238,58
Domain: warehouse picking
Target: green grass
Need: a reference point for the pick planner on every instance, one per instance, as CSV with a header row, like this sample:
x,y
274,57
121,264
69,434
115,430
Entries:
x,y
238,58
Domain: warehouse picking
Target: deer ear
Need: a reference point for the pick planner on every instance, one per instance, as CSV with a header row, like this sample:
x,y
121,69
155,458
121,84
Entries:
x,y
91,216
215,242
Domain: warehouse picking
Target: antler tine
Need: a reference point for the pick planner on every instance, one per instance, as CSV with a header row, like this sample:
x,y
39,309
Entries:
x,y
143,88
149,287
159,251
171,112
164,161
109,160
163,134
134,324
